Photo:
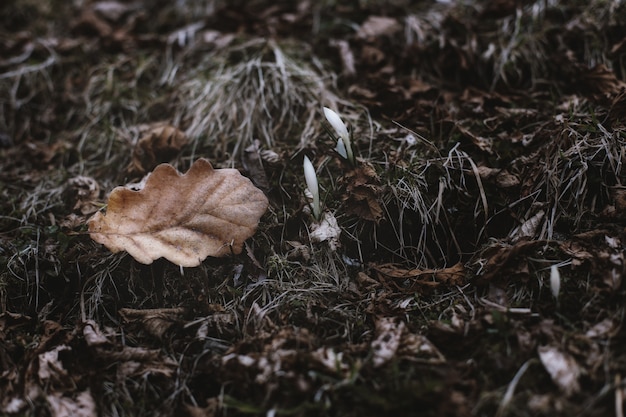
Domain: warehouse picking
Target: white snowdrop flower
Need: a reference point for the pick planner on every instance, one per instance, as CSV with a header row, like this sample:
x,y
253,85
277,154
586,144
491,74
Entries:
x,y
336,122
341,149
342,131
311,183
555,281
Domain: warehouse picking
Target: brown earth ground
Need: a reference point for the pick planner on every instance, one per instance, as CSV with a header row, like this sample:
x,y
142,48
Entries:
x,y
479,266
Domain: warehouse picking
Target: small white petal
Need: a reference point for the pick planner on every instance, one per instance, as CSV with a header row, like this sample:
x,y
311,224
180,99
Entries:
x,y
555,281
310,176
336,122
341,149
311,183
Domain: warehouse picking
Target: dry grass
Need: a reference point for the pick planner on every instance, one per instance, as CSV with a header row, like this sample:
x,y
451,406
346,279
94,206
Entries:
x,y
253,326
255,90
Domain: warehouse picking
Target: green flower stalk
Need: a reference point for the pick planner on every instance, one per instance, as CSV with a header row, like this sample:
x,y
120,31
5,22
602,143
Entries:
x,y
311,183
344,147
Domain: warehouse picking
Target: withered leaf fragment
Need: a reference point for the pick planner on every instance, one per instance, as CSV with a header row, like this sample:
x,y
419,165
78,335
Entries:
x,y
181,217
159,144
155,321
410,280
363,193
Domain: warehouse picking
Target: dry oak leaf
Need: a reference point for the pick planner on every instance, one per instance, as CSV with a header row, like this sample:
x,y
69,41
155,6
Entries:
x,y
159,144
363,193
181,217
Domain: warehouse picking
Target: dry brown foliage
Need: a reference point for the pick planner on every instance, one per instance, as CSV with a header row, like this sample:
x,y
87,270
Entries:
x,y
183,218
160,144
489,140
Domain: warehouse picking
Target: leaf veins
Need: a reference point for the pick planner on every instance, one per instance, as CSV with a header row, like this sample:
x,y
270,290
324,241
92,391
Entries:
x,y
181,217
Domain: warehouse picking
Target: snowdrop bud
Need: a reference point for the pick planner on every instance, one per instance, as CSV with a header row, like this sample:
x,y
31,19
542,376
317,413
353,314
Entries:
x,y
337,124
311,183
555,281
345,148
341,149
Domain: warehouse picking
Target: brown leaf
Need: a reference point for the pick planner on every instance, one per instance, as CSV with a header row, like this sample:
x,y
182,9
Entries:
x,y
507,180
183,218
604,329
427,278
562,368
50,366
577,251
211,410
482,143
600,82
500,259
253,163
454,275
362,193
372,56
159,144
90,23
92,334
156,321
347,57
44,155
82,192
10,321
503,178
416,347
111,10
386,344
81,406
530,227
326,230
617,208
376,26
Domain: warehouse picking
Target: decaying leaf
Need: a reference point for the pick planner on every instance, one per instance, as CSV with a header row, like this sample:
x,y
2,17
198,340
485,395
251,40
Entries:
x,y
275,360
252,162
579,253
131,360
82,192
562,368
183,218
326,230
503,178
363,191
599,82
378,26
417,347
331,360
410,280
50,365
155,321
159,144
606,328
92,334
81,406
347,57
482,143
385,346
506,261
530,227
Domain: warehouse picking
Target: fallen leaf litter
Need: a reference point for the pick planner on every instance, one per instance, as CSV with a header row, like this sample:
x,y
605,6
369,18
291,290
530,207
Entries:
x,y
183,218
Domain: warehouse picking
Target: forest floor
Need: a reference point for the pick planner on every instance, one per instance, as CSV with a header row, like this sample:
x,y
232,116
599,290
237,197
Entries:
x,y
468,262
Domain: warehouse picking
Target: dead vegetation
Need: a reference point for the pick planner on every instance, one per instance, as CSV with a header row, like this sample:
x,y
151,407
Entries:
x,y
490,147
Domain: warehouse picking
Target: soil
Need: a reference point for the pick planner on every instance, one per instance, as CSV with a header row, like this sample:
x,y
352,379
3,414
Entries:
x,y
467,261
